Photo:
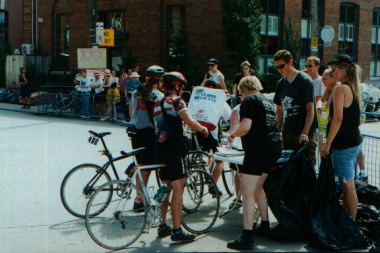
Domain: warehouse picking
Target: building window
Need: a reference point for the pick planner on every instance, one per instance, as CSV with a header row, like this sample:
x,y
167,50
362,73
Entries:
x,y
348,29
3,28
375,52
66,37
112,19
270,31
175,27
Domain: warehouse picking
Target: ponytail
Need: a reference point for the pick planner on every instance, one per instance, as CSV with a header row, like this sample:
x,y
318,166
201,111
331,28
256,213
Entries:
x,y
353,79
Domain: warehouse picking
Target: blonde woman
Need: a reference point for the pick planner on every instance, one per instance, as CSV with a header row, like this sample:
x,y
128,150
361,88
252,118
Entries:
x,y
343,134
261,141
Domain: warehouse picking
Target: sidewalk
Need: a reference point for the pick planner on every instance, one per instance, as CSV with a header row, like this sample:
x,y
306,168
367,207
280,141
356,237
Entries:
x,y
34,110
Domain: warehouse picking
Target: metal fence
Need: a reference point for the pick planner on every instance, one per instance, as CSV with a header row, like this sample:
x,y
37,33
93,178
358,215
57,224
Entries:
x,y
371,150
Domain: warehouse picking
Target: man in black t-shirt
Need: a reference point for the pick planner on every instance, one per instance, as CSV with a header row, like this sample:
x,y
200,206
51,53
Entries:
x,y
294,98
261,141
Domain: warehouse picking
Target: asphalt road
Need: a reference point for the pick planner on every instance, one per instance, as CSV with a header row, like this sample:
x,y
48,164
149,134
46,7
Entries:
x,y
35,154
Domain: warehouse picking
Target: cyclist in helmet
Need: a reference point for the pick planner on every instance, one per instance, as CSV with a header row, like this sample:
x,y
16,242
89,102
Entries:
x,y
142,101
169,114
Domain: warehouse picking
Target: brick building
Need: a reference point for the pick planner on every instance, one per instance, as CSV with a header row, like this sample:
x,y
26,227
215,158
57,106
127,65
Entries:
x,y
144,29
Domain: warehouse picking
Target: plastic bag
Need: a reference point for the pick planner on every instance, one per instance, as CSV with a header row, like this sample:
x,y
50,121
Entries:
x,y
289,190
332,228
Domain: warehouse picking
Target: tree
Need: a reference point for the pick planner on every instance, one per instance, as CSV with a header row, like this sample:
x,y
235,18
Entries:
x,y
242,22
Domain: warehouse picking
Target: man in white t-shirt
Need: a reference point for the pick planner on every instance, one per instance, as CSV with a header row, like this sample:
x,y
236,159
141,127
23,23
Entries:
x,y
84,87
312,67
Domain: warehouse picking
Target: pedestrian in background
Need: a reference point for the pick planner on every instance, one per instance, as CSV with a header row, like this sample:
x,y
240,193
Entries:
x,y
113,97
343,135
312,68
25,88
214,74
84,88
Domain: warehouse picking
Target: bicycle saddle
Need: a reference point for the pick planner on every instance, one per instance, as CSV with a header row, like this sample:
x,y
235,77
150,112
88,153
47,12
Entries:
x,y
132,152
99,135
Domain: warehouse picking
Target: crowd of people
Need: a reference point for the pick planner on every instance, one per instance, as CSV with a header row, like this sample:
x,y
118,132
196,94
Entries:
x,y
158,110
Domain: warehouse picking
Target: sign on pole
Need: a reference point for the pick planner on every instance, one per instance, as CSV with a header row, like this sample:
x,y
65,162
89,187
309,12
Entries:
x,y
92,58
327,35
109,38
99,33
314,44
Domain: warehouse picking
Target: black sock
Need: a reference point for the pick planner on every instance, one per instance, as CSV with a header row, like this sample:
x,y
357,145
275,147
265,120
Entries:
x,y
247,233
264,224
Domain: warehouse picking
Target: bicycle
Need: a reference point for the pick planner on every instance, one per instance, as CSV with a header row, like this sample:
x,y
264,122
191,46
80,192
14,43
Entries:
x,y
118,226
84,179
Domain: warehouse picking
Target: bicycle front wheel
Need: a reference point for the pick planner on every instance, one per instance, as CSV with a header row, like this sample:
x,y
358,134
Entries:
x,y
201,209
118,226
78,186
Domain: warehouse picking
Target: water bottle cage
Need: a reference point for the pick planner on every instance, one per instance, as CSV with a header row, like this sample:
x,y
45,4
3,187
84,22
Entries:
x,y
93,140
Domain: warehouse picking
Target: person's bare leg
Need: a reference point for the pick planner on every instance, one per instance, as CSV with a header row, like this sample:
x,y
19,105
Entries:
x,y
237,185
350,199
261,198
218,169
165,205
247,187
145,176
177,202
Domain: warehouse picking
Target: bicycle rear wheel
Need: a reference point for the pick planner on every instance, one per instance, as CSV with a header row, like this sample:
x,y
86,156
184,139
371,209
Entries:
x,y
118,226
76,191
201,211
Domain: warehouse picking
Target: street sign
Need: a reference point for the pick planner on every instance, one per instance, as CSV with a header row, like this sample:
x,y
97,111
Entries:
x,y
314,44
109,38
92,58
99,33
327,35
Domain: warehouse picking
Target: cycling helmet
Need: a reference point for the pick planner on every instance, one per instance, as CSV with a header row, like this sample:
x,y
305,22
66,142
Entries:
x,y
173,81
155,72
212,84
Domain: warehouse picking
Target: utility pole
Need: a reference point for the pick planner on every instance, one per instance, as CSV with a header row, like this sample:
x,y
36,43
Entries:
x,y
93,18
314,27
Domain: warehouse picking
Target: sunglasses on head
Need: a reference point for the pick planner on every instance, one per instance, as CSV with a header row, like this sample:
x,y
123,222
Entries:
x,y
281,66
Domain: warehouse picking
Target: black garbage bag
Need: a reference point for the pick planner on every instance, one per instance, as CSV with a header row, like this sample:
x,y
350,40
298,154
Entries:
x,y
367,194
332,228
369,220
289,191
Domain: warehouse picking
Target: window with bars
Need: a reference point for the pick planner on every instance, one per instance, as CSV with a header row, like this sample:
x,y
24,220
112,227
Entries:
x,y
3,28
270,31
375,52
175,25
348,29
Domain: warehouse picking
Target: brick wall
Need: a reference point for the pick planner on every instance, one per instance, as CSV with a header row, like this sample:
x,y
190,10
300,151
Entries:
x,y
144,21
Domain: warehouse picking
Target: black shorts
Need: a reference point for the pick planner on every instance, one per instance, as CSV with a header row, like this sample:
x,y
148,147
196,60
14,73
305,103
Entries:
x,y
260,161
175,168
208,142
145,138
234,165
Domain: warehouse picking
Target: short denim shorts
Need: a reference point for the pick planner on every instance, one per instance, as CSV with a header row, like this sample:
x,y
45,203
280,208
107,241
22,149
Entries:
x,y
344,161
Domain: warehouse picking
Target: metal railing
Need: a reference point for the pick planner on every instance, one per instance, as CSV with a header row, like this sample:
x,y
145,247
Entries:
x,y
371,150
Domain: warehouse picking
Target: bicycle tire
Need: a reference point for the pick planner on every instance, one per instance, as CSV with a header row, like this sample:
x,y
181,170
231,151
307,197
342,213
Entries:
x,y
201,219
114,228
193,192
158,179
77,206
225,183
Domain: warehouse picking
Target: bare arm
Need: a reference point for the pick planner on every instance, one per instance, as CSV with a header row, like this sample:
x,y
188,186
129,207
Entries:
x,y
193,124
338,99
280,117
326,95
243,129
222,83
309,118
234,121
204,80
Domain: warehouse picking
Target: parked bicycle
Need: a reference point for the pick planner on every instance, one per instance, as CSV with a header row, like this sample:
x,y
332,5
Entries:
x,y
83,180
118,226
62,102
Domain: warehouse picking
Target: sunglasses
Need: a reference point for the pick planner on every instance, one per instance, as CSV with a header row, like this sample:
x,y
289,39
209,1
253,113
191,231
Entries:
x,y
308,66
281,66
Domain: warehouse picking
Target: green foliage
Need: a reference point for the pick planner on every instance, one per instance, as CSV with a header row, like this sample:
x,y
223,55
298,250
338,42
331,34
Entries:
x,y
7,50
241,19
292,41
177,57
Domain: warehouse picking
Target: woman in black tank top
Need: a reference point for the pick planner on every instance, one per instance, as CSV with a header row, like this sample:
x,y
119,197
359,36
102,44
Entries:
x,y
343,134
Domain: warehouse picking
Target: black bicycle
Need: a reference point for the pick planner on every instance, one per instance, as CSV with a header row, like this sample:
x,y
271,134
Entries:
x,y
83,180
